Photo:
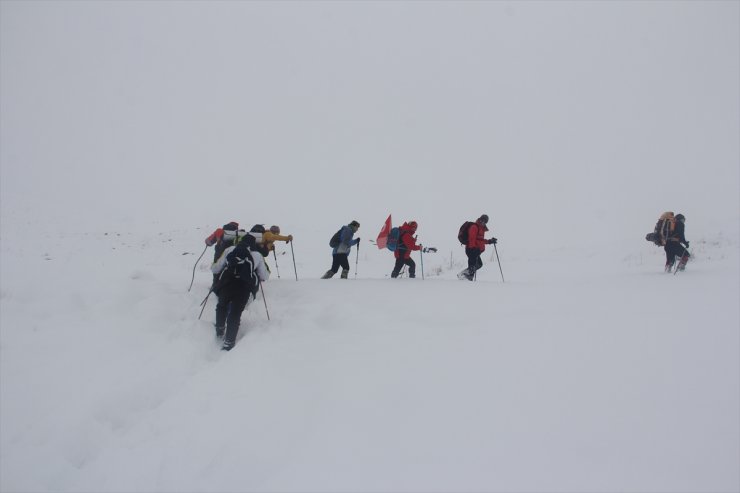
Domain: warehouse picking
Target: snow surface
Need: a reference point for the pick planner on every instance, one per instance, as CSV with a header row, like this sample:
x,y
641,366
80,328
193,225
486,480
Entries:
x,y
582,372
130,130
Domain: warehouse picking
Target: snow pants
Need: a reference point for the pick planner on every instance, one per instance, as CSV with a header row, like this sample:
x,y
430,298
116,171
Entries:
x,y
232,299
674,249
474,261
339,260
400,262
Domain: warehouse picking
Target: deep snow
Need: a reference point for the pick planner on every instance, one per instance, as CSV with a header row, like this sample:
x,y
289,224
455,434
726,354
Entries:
x,y
130,130
582,372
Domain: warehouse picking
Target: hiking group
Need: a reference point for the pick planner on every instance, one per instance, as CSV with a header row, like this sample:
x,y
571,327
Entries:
x,y
239,266
238,271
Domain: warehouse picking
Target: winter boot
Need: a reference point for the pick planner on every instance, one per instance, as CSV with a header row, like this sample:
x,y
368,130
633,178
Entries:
x,y
345,273
328,275
682,262
227,345
668,267
220,331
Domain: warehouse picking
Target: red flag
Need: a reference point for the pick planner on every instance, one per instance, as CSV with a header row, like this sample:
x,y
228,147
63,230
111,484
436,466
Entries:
x,y
382,240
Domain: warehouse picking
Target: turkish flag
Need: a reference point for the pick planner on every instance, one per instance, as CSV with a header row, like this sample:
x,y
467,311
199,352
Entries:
x,y
382,240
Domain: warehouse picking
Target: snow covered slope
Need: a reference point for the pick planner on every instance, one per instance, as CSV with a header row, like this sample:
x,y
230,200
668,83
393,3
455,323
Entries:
x,y
582,372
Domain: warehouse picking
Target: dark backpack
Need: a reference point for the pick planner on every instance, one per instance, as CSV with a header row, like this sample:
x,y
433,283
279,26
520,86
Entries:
x,y
393,238
239,268
334,242
462,234
241,265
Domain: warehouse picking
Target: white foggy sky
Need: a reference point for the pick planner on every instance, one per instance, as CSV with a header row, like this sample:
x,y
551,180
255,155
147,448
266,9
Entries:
x,y
320,112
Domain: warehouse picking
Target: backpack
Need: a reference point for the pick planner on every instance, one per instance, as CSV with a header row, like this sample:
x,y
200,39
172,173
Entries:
x,y
663,229
228,238
462,234
393,238
239,267
336,239
217,235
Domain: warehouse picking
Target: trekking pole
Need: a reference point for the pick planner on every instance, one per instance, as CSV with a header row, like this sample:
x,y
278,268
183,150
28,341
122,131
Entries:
x,y
196,264
276,264
265,300
203,303
421,256
357,258
293,254
499,263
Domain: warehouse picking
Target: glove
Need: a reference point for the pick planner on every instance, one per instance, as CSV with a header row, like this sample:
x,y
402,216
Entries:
x,y
492,241
290,238
358,240
687,244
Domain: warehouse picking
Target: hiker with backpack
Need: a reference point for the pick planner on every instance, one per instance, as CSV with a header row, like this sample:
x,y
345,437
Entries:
x,y
239,270
257,232
341,244
223,238
669,233
472,235
405,245
270,236
676,245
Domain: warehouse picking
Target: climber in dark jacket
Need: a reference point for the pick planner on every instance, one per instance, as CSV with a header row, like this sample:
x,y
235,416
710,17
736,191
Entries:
x,y
677,246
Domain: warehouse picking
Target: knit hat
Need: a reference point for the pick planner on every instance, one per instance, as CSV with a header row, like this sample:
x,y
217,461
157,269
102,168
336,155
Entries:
x,y
483,218
354,224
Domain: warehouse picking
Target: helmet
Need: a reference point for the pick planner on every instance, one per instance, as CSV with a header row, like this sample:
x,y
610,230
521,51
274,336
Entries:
x,y
681,218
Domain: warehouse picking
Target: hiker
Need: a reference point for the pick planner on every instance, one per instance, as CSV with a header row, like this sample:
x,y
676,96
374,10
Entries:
x,y
240,269
341,244
223,238
475,245
258,233
270,236
676,245
406,244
